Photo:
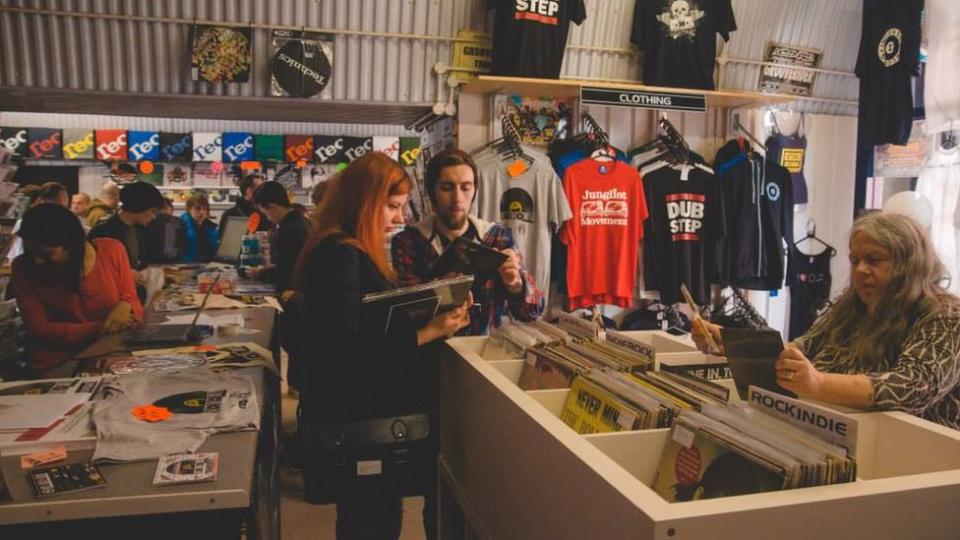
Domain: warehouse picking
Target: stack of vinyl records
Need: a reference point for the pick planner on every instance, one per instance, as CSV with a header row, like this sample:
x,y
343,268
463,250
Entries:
x,y
602,401
738,449
556,366
511,340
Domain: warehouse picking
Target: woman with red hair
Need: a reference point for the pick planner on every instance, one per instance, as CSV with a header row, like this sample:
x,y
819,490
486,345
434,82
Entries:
x,y
352,373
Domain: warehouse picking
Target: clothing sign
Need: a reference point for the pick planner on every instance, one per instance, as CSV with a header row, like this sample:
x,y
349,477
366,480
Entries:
x,y
14,140
78,144
298,148
111,144
143,145
176,146
207,146
220,54
45,143
618,97
784,78
302,63
268,147
237,147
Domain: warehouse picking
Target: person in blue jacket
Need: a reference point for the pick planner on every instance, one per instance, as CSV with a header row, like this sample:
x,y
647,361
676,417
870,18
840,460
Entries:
x,y
200,240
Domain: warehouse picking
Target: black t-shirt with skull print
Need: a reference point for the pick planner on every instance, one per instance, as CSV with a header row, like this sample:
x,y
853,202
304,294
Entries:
x,y
679,40
889,56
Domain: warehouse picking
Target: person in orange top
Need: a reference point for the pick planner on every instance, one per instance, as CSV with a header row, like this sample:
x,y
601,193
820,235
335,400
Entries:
x,y
69,290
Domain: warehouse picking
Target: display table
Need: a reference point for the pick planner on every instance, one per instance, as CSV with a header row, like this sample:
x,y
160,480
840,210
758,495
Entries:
x,y
510,468
246,487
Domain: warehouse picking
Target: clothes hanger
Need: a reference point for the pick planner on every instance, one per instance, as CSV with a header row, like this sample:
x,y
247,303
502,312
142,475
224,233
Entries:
x,y
812,236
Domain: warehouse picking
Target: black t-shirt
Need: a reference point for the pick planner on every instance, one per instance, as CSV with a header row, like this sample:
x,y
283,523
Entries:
x,y
889,56
683,232
529,36
679,40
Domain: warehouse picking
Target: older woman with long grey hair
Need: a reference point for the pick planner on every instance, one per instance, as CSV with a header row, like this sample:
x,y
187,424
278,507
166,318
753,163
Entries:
x,y
891,341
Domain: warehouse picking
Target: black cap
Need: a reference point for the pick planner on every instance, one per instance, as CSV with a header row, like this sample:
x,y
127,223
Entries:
x,y
139,197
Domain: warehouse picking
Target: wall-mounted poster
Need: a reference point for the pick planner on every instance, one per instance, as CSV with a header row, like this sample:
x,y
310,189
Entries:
x,y
268,147
220,54
298,148
111,144
177,176
237,147
14,140
207,146
176,147
539,120
78,143
207,174
302,62
143,145
45,143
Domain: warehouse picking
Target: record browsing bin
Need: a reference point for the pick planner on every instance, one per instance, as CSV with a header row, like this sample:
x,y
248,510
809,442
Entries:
x,y
515,470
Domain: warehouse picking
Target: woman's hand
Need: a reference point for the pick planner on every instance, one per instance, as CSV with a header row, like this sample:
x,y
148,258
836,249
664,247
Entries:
x,y
700,329
797,374
120,318
446,324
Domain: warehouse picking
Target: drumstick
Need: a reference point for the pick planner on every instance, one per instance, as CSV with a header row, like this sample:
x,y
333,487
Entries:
x,y
697,319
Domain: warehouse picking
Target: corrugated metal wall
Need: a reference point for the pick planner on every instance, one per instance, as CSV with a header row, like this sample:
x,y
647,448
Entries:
x,y
122,55
184,125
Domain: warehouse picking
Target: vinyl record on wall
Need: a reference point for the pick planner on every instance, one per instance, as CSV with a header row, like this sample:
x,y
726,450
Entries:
x,y
301,65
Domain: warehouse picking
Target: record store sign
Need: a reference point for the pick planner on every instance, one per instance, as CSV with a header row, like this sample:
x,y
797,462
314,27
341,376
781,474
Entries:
x,y
789,69
667,101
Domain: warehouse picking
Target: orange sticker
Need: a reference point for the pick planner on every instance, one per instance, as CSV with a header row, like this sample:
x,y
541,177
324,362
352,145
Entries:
x,y
151,413
253,222
517,168
301,163
250,165
146,167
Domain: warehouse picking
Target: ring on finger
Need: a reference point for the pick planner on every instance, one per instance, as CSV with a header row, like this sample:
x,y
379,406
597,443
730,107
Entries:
x,y
789,375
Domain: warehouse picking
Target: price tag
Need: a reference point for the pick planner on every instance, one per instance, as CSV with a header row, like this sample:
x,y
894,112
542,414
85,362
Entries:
x,y
683,436
626,420
30,461
517,168
151,413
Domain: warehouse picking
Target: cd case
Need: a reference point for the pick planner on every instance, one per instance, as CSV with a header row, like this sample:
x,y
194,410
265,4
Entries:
x,y
186,469
62,479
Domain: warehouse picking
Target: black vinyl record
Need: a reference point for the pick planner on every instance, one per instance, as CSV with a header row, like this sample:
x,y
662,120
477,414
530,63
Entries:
x,y
301,68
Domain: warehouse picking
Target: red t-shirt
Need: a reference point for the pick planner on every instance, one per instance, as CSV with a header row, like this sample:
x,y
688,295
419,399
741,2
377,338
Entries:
x,y
603,236
61,323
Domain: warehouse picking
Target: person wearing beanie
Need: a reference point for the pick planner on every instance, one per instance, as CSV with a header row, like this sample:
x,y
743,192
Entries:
x,y
69,290
139,204
245,206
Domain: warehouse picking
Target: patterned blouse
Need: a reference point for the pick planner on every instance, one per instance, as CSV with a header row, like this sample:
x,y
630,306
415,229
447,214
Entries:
x,y
923,378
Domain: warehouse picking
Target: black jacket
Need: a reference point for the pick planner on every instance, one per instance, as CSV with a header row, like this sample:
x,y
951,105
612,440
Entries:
x,y
291,235
350,370
243,208
758,198
114,227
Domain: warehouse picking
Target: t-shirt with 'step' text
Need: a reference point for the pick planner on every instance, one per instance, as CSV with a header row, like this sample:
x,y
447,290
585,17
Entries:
x,y
603,236
530,36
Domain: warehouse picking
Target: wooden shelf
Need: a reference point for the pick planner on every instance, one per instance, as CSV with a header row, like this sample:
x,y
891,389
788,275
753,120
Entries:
x,y
487,84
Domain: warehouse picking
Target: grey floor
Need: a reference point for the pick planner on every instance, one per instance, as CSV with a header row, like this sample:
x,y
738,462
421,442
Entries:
x,y
302,521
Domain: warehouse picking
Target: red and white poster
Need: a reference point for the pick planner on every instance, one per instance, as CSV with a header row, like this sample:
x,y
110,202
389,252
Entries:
x,y
111,144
